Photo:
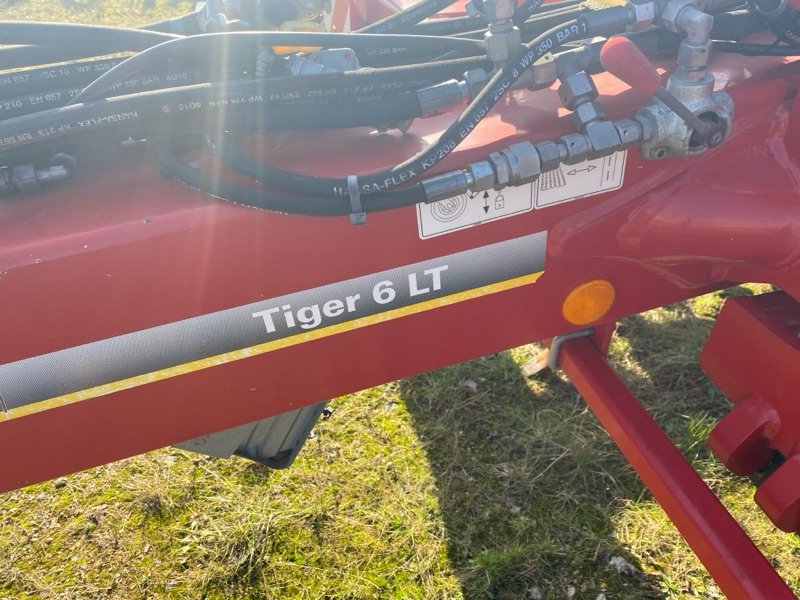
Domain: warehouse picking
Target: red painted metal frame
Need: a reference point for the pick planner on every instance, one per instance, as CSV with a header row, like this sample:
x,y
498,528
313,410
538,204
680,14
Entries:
x,y
733,561
120,250
753,354
88,263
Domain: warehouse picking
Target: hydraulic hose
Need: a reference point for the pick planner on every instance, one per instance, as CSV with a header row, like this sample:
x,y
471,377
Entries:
x,y
404,21
457,132
213,184
109,39
31,81
205,106
525,10
19,57
387,180
55,98
214,44
322,89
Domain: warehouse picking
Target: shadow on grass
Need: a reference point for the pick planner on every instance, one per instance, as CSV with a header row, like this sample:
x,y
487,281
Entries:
x,y
527,482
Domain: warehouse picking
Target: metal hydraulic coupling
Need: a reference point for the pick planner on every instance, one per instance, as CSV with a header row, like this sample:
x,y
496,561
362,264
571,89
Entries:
x,y
688,116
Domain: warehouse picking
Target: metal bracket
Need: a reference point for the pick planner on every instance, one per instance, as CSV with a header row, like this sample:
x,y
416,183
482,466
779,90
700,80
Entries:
x,y
555,346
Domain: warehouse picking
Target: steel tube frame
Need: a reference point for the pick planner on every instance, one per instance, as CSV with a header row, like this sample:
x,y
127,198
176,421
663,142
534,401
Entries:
x,y
738,567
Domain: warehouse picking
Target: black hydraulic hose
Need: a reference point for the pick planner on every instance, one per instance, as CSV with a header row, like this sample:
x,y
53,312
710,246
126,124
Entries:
x,y
453,135
364,83
273,176
474,113
215,44
534,27
755,49
199,107
55,98
404,21
110,39
377,57
19,57
31,81
526,10
325,88
449,26
478,24
781,18
211,183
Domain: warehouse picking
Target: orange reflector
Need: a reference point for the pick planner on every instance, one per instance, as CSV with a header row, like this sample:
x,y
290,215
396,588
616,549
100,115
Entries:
x,y
588,302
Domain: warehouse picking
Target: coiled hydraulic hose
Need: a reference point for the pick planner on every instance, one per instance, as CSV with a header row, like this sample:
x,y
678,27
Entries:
x,y
211,183
473,114
386,181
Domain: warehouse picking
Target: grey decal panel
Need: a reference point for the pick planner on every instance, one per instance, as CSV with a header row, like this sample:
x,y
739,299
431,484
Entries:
x,y
73,369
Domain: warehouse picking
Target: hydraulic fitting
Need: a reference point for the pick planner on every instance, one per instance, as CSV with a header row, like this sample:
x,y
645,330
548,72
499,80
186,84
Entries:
x,y
443,96
503,39
688,116
475,80
334,60
523,162
549,154
446,185
480,176
630,133
641,14
576,88
574,148
27,179
516,165
603,138
599,138
587,112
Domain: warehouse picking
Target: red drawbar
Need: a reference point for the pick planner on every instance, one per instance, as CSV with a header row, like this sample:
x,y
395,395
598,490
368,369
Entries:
x,y
738,567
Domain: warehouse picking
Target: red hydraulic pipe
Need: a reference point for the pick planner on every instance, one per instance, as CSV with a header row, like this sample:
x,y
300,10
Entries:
x,y
738,567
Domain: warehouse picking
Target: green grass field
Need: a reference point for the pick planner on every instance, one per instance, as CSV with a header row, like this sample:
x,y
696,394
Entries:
x,y
471,482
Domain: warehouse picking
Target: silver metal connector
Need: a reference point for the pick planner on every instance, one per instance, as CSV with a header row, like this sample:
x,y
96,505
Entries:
x,y
442,97
445,185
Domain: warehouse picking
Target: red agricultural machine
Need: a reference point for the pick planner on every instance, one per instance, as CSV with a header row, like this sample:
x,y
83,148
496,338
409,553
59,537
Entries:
x,y
195,211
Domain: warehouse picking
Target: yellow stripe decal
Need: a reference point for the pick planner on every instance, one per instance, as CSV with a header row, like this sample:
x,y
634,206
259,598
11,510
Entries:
x,y
235,355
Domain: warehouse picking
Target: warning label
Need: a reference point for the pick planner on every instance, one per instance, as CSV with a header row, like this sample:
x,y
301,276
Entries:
x,y
565,184
571,182
471,209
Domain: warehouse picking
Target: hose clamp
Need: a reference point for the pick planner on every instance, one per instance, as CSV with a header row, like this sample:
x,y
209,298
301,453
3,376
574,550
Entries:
x,y
357,214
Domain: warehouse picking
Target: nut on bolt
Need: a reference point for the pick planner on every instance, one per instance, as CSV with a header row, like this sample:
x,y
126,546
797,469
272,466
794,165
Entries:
x,y
603,138
475,80
641,14
550,155
587,112
481,176
630,133
498,10
576,148
576,88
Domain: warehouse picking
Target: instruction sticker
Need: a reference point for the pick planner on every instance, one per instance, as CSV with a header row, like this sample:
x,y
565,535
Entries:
x,y
565,184
572,182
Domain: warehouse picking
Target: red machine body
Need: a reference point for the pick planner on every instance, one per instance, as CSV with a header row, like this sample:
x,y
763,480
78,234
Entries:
x,y
122,250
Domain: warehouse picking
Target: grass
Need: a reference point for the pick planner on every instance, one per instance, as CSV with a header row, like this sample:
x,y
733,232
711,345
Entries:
x,y
471,482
